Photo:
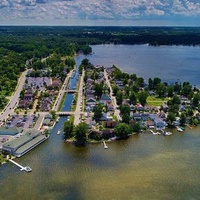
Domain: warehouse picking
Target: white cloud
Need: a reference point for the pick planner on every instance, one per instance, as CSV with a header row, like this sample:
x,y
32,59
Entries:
x,y
96,9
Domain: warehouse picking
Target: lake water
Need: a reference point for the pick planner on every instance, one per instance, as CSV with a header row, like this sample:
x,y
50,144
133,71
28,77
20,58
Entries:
x,y
145,166
170,63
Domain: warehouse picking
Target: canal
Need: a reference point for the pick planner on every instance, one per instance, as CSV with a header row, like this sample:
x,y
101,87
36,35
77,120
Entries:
x,y
67,106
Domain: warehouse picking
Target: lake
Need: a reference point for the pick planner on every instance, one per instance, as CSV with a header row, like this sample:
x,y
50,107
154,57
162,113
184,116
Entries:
x,y
145,166
170,63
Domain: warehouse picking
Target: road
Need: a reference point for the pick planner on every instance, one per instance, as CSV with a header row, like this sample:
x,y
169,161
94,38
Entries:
x,y
40,120
116,110
78,111
62,91
14,98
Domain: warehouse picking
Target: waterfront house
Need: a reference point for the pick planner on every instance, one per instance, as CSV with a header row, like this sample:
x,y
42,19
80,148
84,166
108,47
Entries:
x,y
150,124
110,124
159,123
108,133
94,134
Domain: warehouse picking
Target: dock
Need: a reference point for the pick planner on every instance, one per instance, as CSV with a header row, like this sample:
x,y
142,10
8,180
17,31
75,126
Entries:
x,y
155,133
105,146
27,168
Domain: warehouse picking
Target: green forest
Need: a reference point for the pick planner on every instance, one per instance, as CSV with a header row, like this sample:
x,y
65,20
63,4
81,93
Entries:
x,y
19,44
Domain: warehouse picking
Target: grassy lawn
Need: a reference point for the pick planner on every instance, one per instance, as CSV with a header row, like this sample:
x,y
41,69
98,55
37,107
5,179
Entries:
x,y
155,101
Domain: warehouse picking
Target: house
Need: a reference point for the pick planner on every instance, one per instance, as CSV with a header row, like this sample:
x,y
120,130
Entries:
x,y
181,108
150,124
139,107
110,124
159,123
153,116
94,134
119,83
145,116
105,99
110,107
108,133
132,107
165,107
132,122
105,117
56,83
91,101
137,116
126,101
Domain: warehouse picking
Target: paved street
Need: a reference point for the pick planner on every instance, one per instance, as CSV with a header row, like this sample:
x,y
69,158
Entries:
x,y
77,113
14,98
116,110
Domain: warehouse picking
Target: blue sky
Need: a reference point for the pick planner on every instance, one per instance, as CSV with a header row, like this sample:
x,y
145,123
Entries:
x,y
100,12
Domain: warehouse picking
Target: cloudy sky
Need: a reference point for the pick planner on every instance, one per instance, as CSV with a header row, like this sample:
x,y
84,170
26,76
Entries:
x,y
100,12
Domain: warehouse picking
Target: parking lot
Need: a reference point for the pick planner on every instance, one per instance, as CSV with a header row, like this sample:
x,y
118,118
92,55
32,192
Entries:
x,y
39,82
21,121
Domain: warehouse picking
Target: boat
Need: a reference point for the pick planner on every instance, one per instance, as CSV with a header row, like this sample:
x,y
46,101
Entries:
x,y
58,132
27,169
179,129
167,133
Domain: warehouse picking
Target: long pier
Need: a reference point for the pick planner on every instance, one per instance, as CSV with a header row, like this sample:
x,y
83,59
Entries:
x,y
27,168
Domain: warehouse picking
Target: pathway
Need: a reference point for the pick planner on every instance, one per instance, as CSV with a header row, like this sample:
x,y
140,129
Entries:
x,y
77,113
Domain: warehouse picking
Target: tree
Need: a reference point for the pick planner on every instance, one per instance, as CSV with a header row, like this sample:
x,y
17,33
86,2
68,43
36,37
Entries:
x,y
136,127
81,134
68,129
171,117
98,112
115,90
122,130
183,118
142,97
98,89
150,84
70,62
156,81
133,98
53,113
187,89
170,91
125,109
119,97
161,89
126,118
195,100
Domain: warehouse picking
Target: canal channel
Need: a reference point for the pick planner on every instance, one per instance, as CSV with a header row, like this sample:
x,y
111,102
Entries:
x,y
67,106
